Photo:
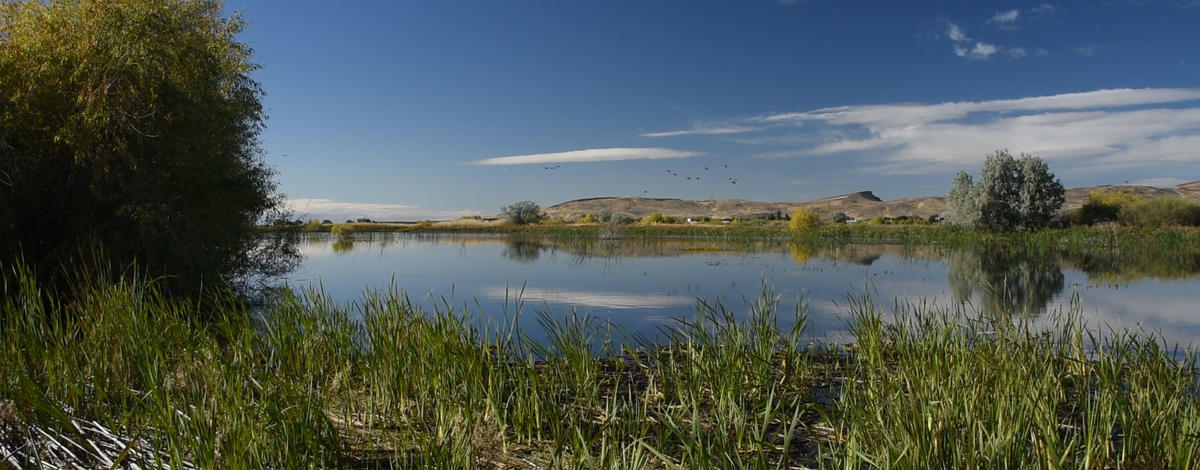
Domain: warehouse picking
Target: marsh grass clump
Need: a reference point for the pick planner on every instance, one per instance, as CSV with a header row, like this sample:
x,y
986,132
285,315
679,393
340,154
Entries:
x,y
1160,212
188,388
305,381
938,388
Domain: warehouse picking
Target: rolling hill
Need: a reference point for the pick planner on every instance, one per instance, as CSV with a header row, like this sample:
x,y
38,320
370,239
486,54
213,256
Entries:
x,y
859,205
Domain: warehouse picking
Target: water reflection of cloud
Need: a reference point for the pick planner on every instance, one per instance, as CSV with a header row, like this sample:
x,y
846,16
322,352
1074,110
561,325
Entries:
x,y
613,300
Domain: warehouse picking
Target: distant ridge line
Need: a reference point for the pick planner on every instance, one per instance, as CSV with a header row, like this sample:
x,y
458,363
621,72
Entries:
x,y
859,205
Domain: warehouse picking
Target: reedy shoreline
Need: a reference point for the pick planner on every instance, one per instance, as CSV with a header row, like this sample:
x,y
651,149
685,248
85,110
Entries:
x,y
380,383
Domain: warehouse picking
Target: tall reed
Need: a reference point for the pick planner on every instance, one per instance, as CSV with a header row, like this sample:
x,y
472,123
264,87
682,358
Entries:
x,y
308,382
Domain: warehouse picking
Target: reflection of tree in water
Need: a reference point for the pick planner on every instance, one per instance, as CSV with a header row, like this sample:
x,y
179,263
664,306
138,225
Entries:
x,y
343,245
523,250
800,253
1112,267
1007,281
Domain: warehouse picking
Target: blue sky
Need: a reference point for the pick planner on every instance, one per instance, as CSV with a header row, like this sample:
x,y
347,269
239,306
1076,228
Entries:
x,y
435,109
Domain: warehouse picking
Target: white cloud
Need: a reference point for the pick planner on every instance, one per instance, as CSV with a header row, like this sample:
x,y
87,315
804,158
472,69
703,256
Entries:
x,y
1002,17
337,211
1042,10
1102,129
703,131
590,155
888,115
956,33
782,154
982,50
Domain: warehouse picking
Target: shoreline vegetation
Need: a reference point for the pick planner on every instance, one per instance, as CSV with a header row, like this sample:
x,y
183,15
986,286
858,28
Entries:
x,y
1176,241
136,182
117,371
861,232
123,374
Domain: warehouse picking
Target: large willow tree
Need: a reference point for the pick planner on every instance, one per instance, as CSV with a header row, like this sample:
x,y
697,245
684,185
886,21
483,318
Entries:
x,y
130,129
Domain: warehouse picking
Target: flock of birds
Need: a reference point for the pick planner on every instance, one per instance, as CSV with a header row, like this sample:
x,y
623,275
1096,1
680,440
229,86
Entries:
x,y
729,179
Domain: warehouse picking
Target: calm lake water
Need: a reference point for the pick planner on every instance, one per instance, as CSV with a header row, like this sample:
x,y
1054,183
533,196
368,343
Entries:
x,y
641,285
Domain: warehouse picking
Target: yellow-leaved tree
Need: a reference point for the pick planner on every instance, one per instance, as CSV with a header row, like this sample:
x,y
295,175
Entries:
x,y
804,219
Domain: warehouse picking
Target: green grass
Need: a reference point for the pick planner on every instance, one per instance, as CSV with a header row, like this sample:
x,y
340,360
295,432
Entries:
x,y
379,382
825,234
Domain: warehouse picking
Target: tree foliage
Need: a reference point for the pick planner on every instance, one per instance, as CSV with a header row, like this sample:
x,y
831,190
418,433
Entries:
x,y
1041,194
133,126
1011,194
1104,206
804,219
522,212
999,191
962,206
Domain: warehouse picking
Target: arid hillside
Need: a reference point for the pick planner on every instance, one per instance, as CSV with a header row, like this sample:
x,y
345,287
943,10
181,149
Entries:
x,y
859,205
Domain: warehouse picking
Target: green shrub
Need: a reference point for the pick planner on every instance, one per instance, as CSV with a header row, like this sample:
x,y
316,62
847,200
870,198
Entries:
x,y
910,220
522,212
1104,206
658,218
1160,212
313,225
587,219
837,218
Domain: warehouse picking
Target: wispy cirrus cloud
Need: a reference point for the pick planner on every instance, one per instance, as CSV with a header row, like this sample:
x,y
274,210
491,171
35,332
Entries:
x,y
1012,20
1095,49
1004,17
900,114
590,155
1042,10
718,130
320,208
1103,129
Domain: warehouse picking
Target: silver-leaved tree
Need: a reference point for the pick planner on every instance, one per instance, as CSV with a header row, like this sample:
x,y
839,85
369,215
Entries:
x,y
1011,194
